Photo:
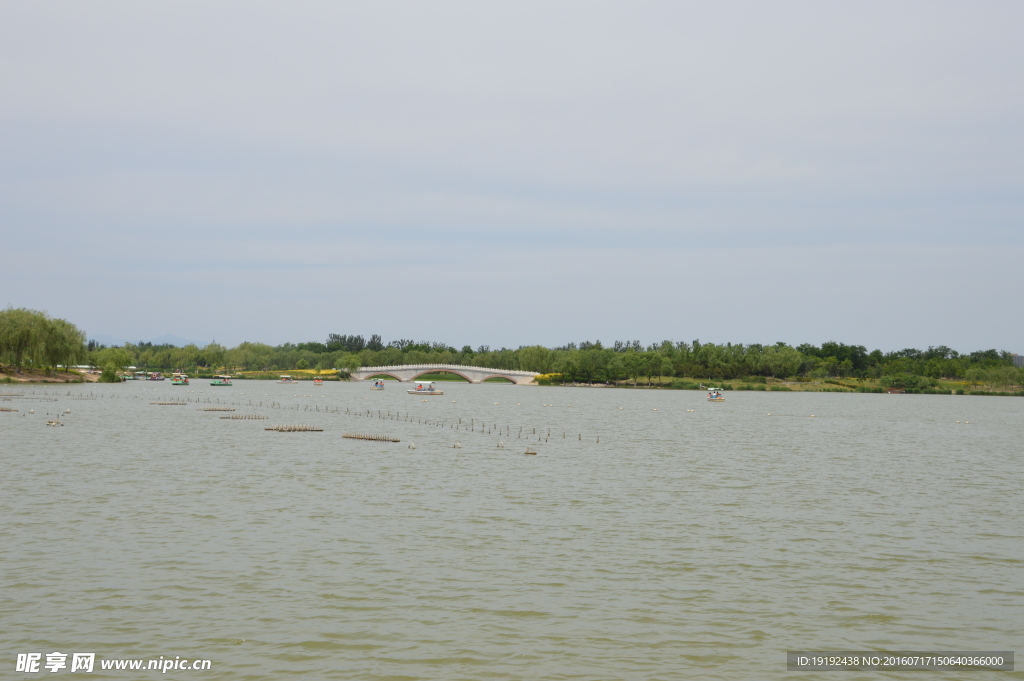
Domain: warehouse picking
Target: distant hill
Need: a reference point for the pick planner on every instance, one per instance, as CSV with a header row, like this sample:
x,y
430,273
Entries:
x,y
166,339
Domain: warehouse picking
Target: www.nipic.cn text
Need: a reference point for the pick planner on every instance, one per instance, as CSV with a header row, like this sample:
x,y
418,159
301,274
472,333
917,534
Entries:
x,y
86,662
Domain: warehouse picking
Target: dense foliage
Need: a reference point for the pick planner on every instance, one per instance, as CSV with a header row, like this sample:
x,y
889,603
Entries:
x,y
591,361
33,340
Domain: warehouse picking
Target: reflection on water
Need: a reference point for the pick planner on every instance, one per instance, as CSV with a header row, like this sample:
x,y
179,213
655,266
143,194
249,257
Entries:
x,y
644,541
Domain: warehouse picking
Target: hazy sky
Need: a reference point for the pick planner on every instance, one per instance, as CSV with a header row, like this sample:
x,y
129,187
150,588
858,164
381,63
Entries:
x,y
517,173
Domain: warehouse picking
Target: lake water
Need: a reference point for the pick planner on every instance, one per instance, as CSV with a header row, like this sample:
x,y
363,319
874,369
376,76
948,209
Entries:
x,y
653,536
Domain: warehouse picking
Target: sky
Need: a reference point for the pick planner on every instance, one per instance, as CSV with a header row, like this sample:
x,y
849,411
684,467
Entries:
x,y
517,173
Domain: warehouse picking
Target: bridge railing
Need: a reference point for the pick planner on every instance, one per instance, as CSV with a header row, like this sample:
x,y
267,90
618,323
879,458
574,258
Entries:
x,y
450,367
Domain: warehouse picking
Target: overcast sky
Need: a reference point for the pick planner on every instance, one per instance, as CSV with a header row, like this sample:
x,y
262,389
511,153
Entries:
x,y
517,173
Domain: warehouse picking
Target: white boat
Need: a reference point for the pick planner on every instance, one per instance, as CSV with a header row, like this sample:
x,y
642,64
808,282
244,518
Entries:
x,y
429,389
715,395
287,379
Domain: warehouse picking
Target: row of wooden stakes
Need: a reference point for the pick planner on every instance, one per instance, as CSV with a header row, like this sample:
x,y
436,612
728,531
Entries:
x,y
375,438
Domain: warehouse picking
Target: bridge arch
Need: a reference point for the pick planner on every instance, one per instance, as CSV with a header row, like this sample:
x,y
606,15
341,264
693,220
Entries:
x,y
501,376
384,373
442,371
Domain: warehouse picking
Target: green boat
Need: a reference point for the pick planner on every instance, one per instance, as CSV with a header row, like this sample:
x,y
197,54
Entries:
x,y
179,379
221,380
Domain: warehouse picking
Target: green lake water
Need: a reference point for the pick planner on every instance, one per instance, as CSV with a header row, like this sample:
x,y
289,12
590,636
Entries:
x,y
653,535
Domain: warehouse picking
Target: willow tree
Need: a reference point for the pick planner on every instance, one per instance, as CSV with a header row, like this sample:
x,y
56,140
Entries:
x,y
30,336
61,343
19,331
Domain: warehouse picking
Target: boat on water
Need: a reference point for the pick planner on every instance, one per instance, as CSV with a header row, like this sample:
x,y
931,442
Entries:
x,y
715,395
221,380
427,389
377,385
155,376
179,379
318,381
287,379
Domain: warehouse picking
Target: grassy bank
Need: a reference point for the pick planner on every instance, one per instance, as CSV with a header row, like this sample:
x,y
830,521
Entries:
x,y
9,375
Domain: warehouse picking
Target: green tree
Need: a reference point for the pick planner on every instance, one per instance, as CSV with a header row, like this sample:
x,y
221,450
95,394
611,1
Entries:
x,y
19,331
62,343
666,367
1003,376
109,375
567,364
214,355
349,362
535,358
820,372
633,364
112,357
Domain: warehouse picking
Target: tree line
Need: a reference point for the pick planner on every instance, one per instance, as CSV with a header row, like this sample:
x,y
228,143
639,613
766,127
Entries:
x,y
30,339
589,361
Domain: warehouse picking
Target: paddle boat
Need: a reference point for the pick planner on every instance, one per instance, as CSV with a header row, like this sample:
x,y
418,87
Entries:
x,y
377,385
318,381
715,395
425,389
179,379
287,379
221,380
155,376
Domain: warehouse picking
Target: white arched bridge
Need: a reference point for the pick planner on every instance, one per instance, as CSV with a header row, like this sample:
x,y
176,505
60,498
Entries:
x,y
410,372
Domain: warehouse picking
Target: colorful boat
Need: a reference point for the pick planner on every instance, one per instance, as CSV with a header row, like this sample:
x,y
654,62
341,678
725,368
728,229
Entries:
x,y
318,381
179,379
715,395
429,389
221,380
377,385
155,376
287,379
